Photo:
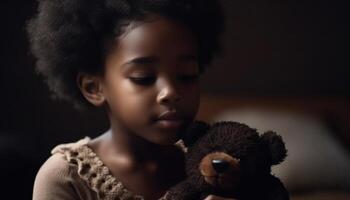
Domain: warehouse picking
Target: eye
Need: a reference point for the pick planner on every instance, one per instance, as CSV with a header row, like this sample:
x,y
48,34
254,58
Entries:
x,y
189,78
143,80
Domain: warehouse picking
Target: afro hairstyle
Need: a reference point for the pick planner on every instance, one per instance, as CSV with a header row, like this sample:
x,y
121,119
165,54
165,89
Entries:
x,y
70,36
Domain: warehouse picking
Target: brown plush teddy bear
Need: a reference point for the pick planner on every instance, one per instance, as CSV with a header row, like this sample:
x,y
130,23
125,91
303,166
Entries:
x,y
232,160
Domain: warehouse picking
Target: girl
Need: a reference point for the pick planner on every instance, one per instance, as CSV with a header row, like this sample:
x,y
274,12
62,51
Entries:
x,y
139,60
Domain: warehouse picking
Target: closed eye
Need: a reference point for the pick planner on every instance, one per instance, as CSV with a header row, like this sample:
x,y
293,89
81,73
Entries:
x,y
146,80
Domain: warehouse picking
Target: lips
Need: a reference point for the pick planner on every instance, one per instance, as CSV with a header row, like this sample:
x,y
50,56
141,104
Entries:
x,y
170,120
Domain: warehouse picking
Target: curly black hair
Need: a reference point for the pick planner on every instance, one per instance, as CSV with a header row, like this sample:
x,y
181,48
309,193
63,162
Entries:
x,y
69,36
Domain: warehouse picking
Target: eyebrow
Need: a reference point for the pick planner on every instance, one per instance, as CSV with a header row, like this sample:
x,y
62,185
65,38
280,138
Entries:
x,y
142,60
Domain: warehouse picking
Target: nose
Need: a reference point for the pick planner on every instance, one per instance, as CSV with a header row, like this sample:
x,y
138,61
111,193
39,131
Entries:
x,y
168,94
219,165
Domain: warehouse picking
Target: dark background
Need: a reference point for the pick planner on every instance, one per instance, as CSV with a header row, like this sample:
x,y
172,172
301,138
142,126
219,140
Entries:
x,y
272,48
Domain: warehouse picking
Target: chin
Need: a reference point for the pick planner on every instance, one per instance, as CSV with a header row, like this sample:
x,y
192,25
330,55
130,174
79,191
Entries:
x,y
166,139
164,135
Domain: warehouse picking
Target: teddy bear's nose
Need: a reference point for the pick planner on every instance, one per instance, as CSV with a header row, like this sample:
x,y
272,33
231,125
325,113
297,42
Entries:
x,y
220,165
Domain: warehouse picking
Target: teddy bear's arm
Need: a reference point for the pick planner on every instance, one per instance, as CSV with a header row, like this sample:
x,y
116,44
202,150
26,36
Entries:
x,y
276,190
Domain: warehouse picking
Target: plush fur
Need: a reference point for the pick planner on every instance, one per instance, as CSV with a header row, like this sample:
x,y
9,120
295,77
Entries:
x,y
230,159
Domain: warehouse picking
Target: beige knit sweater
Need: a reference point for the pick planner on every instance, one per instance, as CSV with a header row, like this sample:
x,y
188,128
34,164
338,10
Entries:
x,y
75,172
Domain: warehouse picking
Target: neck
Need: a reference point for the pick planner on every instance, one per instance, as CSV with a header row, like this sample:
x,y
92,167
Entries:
x,y
124,141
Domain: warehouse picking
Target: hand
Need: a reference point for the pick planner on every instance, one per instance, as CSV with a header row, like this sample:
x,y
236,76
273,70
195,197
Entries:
x,y
213,197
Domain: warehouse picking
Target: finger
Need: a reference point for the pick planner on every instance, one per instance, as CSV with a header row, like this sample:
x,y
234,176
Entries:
x,y
213,197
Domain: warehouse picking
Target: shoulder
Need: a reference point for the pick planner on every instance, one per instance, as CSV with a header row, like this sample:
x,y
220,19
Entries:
x,y
58,177
54,167
74,171
54,180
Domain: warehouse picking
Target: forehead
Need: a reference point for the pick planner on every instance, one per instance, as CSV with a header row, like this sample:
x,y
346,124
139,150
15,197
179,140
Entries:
x,y
158,36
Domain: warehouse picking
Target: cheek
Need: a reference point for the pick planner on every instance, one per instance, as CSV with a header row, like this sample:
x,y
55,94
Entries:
x,y
191,94
192,90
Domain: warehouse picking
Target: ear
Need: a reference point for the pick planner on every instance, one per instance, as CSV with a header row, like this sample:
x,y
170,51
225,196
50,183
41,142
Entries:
x,y
276,147
91,88
196,130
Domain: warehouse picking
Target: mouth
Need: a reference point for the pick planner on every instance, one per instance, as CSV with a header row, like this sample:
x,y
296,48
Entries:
x,y
170,120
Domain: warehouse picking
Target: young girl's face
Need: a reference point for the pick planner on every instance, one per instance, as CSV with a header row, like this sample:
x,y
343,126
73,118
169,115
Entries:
x,y
151,80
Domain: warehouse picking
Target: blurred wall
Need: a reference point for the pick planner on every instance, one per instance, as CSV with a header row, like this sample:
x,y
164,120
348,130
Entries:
x,y
282,48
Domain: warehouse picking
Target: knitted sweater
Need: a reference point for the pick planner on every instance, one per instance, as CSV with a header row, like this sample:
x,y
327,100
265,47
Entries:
x,y
75,172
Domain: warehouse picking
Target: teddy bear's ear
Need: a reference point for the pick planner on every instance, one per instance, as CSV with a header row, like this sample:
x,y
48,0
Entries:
x,y
196,130
275,146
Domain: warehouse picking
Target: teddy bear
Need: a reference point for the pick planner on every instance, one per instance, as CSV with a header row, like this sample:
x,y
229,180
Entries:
x,y
232,160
